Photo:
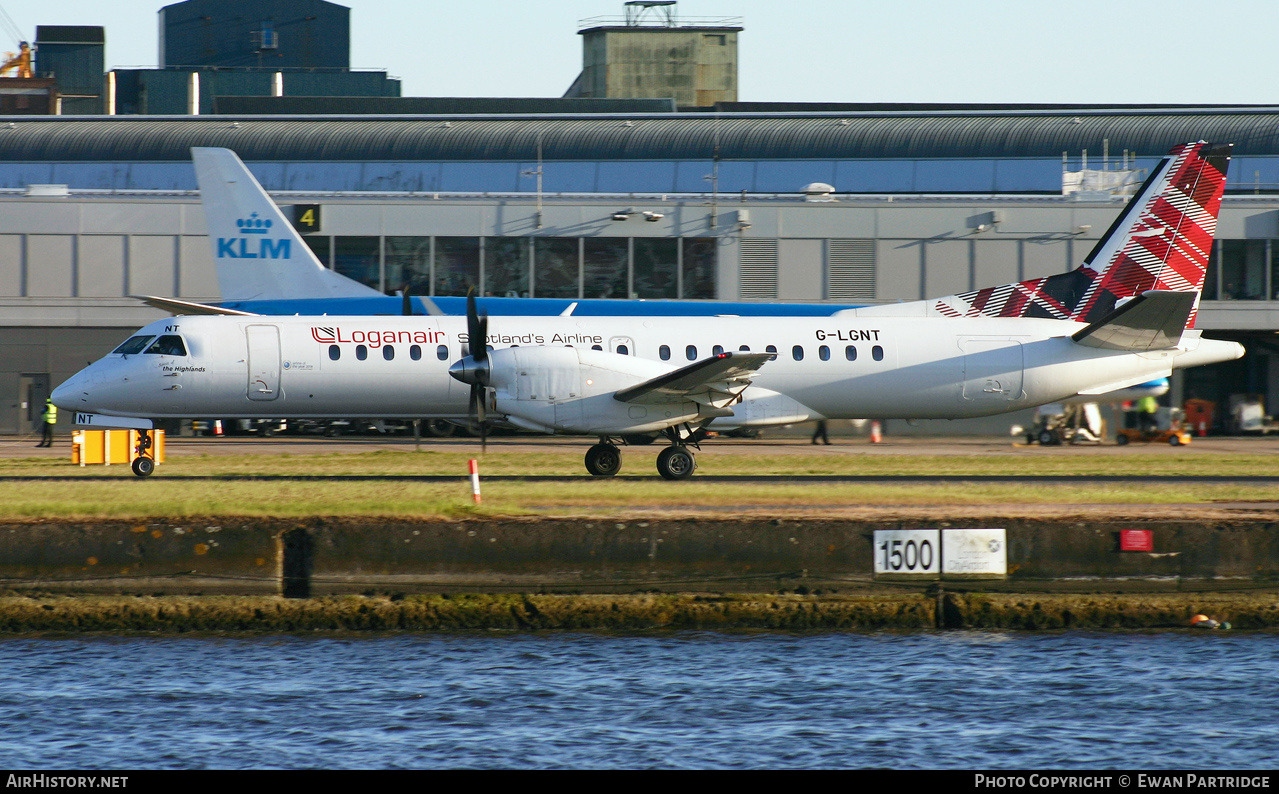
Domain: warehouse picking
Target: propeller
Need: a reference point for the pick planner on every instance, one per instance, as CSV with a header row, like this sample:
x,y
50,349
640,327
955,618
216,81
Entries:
x,y
406,305
474,368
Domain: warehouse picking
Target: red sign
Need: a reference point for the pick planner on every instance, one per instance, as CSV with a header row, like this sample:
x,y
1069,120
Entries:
x,y
1136,540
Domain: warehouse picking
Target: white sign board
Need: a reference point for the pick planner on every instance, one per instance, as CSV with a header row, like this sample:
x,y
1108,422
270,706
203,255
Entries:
x,y
908,551
974,552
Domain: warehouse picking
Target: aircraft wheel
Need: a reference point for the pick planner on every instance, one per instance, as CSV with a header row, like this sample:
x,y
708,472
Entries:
x,y
603,460
1121,439
440,428
1048,438
143,467
676,463
1174,440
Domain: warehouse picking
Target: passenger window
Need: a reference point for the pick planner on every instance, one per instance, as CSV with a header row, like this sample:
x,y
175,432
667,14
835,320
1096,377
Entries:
x,y
361,352
442,352
335,352
823,353
623,350
745,348
718,350
797,352
168,345
664,352
850,352
133,345
877,353
597,347
690,352
415,352
770,349
388,352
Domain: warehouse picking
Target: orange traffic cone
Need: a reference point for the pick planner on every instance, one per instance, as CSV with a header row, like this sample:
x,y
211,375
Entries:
x,y
876,434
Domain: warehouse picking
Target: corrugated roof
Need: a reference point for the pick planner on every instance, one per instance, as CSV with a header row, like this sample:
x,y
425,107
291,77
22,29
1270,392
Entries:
x,y
748,136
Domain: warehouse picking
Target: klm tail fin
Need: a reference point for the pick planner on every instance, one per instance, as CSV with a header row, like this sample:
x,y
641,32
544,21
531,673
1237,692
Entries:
x,y
1161,241
258,253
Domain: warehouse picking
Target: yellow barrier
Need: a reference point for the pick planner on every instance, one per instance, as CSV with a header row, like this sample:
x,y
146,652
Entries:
x,y
112,446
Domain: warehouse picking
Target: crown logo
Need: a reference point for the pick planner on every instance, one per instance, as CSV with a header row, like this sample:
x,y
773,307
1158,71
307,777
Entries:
x,y
253,224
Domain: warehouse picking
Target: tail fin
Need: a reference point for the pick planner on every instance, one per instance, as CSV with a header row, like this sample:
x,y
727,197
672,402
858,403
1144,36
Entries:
x,y
1161,241
259,255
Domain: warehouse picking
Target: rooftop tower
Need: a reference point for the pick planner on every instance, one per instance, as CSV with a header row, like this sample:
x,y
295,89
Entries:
x,y
653,53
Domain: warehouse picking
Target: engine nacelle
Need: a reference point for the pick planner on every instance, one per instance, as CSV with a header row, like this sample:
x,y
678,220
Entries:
x,y
761,407
570,390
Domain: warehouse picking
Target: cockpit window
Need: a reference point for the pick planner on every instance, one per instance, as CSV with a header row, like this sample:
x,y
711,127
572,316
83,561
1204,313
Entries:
x,y
168,345
132,345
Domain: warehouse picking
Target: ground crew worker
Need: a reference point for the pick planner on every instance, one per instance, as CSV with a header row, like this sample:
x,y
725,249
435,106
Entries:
x,y
820,432
50,418
1146,408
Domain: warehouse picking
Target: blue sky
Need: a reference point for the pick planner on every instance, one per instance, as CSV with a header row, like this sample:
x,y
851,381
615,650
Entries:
x,y
1123,51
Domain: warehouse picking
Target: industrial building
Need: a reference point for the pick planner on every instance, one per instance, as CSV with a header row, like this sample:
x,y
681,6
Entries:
x,y
208,49
651,52
855,207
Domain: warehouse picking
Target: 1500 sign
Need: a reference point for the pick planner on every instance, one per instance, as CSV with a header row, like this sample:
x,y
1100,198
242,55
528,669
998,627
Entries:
x,y
945,553
908,551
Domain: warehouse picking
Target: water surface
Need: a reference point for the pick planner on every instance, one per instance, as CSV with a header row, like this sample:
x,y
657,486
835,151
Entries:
x,y
960,700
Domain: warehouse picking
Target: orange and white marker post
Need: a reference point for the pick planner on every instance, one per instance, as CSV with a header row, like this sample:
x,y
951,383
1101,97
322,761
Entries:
x,y
475,481
876,432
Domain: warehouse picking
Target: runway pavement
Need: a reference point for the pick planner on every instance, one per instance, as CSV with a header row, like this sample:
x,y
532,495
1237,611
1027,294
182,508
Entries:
x,y
176,447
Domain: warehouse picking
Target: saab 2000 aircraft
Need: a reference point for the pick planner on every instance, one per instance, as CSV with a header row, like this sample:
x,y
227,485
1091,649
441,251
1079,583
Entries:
x,y
1124,317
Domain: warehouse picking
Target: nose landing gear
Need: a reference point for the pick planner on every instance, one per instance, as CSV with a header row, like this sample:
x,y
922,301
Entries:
x,y
143,464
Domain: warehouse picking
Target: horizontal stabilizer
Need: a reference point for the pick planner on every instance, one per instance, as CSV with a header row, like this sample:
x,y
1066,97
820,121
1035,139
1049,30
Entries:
x,y
711,381
1151,321
186,307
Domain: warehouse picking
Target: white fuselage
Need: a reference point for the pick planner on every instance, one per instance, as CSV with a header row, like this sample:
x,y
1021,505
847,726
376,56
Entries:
x,y
851,367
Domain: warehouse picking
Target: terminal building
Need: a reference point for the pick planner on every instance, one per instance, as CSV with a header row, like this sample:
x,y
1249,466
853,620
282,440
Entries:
x,y
854,207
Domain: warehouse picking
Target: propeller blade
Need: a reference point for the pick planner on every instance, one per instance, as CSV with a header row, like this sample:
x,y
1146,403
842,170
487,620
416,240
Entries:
x,y
477,326
478,414
406,307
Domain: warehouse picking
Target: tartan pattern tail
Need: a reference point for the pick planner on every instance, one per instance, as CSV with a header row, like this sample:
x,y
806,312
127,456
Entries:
x,y
1161,241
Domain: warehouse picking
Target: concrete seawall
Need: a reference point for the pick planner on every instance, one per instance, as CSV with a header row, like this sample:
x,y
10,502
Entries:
x,y
635,612
323,557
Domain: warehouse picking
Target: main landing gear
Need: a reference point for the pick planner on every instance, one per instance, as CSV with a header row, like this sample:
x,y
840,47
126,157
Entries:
x,y
675,462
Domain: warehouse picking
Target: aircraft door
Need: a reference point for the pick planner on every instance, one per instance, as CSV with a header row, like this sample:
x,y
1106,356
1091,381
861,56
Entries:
x,y
622,345
33,389
264,361
992,369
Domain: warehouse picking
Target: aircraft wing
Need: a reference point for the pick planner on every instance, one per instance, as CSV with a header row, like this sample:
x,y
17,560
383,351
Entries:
x,y
715,381
186,307
1151,321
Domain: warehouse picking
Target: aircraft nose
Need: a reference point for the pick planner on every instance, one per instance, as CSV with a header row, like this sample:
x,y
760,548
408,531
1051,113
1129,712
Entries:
x,y
73,394
65,395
